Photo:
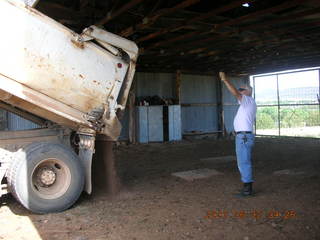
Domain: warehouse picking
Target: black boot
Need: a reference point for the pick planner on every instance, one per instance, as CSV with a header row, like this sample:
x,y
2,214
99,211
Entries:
x,y
247,189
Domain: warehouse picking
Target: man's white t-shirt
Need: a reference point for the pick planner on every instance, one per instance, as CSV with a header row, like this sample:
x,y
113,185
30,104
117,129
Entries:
x,y
246,114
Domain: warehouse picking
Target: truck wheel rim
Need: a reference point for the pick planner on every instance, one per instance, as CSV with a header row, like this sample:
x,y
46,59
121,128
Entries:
x,y
51,178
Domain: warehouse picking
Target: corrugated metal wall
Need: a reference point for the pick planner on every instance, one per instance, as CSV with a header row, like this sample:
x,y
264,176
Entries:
x,y
195,90
150,84
18,123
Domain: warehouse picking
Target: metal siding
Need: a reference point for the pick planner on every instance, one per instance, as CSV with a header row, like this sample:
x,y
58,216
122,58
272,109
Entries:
x,y
198,89
142,124
174,123
151,84
16,122
155,123
203,119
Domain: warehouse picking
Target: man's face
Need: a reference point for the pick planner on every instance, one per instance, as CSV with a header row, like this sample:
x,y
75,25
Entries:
x,y
245,90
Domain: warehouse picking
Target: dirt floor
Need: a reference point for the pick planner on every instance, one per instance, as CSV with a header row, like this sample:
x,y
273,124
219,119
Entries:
x,y
155,205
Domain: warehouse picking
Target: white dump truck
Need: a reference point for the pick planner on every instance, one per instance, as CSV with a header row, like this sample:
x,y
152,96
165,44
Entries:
x,y
74,86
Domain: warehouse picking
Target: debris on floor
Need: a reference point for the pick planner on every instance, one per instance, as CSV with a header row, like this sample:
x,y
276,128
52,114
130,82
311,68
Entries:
x,y
196,174
288,172
229,158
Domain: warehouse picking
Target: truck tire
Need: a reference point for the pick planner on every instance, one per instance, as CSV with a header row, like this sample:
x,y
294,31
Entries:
x,y
46,177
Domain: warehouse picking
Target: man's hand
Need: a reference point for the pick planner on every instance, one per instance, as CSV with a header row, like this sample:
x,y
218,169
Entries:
x,y
223,76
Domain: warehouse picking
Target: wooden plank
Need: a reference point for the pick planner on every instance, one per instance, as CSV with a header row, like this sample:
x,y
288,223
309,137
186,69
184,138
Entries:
x,y
198,104
149,20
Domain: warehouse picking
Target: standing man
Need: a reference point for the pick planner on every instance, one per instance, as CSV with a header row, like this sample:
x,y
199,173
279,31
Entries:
x,y
243,127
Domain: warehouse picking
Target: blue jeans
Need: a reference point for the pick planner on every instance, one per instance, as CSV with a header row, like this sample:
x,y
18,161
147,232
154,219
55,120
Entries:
x,y
244,145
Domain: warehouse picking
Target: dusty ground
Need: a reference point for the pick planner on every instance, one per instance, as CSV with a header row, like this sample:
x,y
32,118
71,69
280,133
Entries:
x,y
155,205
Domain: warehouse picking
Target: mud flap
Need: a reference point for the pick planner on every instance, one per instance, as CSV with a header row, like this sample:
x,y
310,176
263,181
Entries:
x,y
86,151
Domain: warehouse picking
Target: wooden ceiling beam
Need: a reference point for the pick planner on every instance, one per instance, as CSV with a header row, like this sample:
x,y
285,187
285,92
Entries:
x,y
242,53
119,11
280,32
176,27
271,64
149,20
291,17
240,59
277,8
224,50
260,13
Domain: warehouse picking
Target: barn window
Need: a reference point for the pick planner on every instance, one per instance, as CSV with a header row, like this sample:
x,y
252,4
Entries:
x,y
288,103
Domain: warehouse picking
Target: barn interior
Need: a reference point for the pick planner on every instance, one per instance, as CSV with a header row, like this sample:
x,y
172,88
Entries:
x,y
183,44
204,37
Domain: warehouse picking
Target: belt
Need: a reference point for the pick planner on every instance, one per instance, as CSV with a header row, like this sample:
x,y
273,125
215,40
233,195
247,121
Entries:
x,y
243,132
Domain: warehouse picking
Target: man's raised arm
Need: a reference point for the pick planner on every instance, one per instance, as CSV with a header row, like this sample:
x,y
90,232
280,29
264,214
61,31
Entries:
x,y
230,86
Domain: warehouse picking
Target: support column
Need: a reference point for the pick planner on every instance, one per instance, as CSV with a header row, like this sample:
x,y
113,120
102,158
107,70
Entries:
x,y
132,117
220,118
178,87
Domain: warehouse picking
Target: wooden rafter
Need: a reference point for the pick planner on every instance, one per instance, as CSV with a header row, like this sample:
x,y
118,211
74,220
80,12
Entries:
x,y
232,32
121,10
195,19
257,56
225,50
149,20
251,16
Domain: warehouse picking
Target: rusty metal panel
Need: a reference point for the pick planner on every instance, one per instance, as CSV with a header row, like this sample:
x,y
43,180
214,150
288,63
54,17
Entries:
x,y
41,54
50,59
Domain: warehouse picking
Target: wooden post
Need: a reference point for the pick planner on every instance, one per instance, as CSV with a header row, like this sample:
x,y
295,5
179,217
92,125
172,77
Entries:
x,y
132,117
178,87
220,118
